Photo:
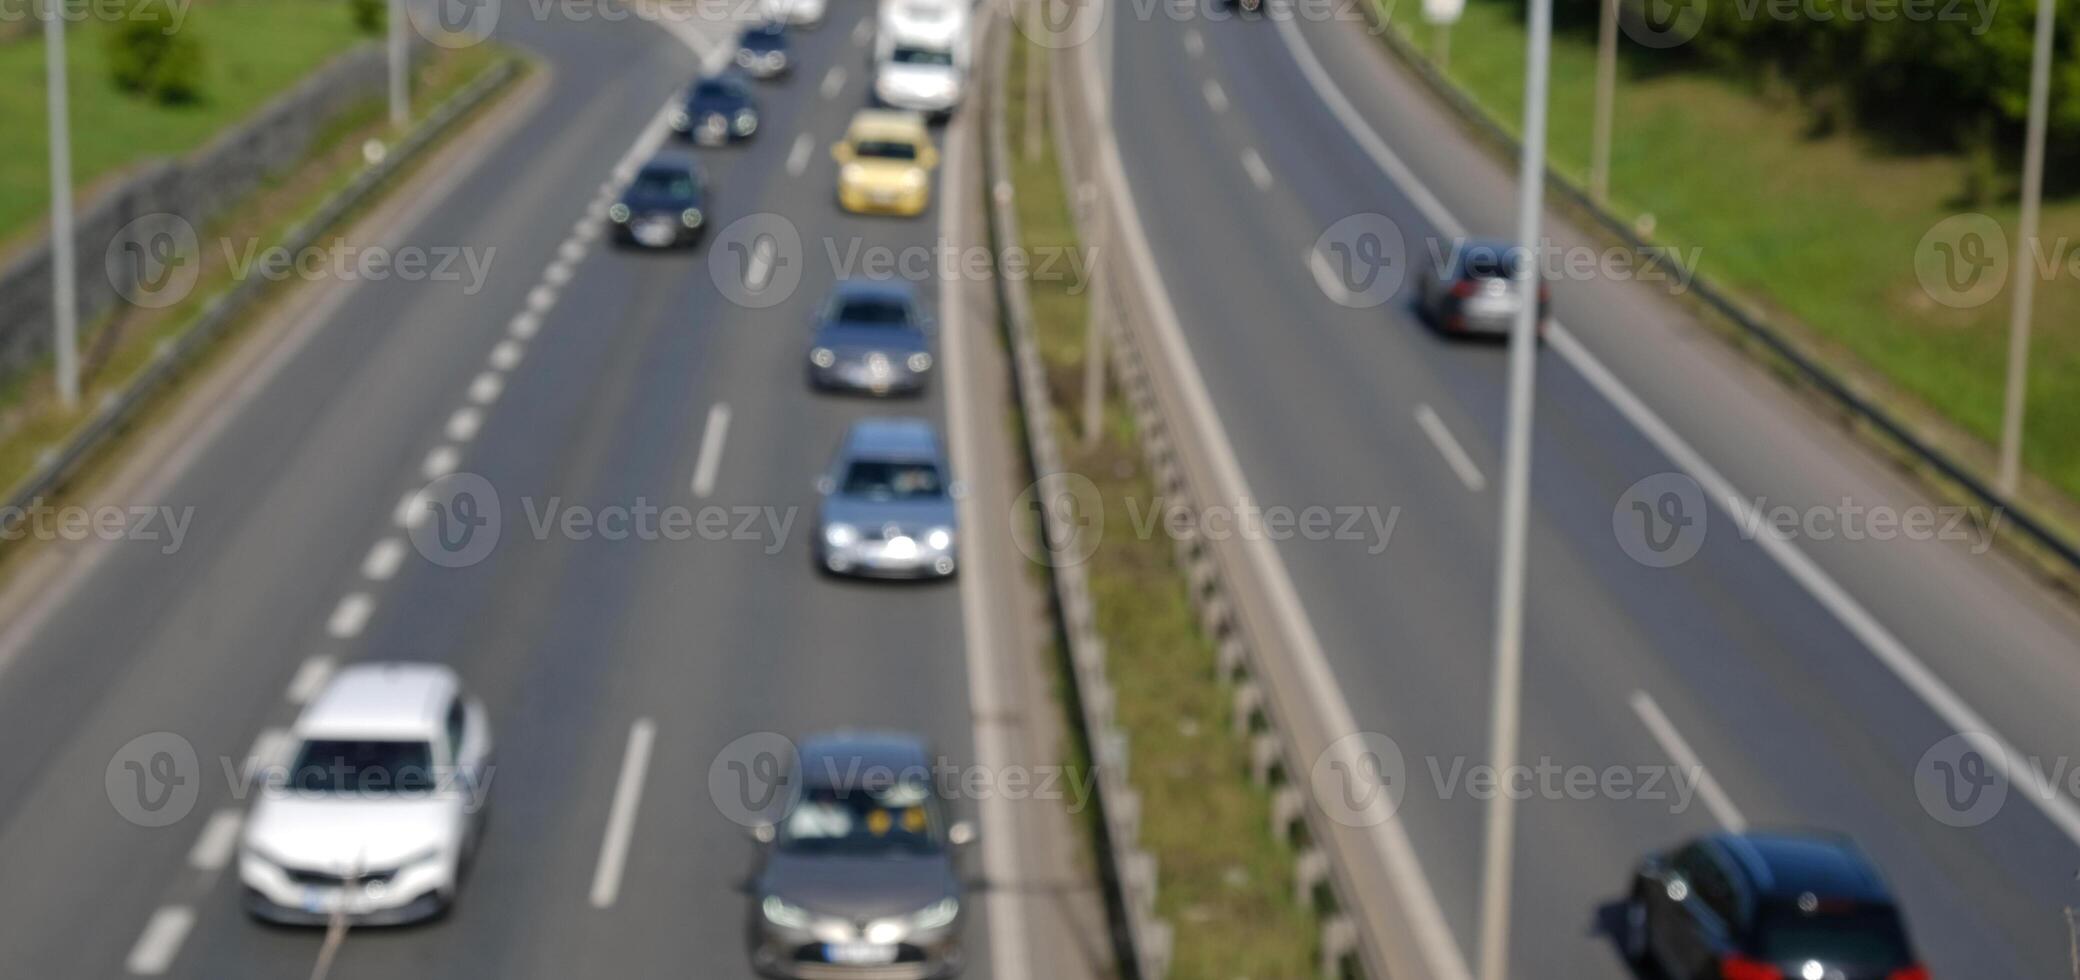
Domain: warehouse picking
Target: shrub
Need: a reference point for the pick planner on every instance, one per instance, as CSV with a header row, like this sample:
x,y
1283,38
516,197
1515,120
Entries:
x,y
371,16
151,53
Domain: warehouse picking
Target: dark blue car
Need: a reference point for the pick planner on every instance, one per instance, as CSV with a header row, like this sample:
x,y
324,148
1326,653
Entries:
x,y
664,205
718,109
762,51
872,338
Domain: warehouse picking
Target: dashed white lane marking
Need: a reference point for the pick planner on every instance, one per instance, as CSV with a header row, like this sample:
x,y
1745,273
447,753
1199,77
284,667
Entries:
x,y
1259,174
710,458
1216,96
758,268
311,677
1194,44
350,615
621,815
833,81
862,33
540,298
270,749
1708,790
1454,454
1326,276
411,510
524,324
572,250
464,424
485,388
557,273
383,559
212,850
798,157
440,462
587,228
507,355
161,941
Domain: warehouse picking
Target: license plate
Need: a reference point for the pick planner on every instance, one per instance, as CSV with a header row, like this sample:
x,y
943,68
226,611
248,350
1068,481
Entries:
x,y
314,900
859,954
654,233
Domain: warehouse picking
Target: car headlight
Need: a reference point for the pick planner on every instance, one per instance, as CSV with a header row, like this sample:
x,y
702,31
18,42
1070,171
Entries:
x,y
691,217
940,538
785,914
885,932
920,361
913,179
619,213
777,59
823,357
937,915
680,120
746,56
840,535
852,173
746,120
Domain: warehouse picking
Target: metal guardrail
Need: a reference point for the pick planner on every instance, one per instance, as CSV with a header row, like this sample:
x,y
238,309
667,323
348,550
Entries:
x,y
1130,872
119,408
1807,369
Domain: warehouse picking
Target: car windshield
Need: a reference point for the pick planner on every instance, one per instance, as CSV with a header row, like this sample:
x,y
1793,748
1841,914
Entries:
x,y
1488,263
764,40
874,312
921,56
364,766
662,183
831,821
885,149
881,479
714,88
1866,937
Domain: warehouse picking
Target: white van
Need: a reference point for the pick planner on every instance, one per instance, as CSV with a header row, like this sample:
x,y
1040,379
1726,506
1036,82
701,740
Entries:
x,y
921,55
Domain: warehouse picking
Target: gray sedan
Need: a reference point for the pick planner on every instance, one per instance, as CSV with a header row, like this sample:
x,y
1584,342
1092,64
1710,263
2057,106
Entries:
x,y
888,503
872,337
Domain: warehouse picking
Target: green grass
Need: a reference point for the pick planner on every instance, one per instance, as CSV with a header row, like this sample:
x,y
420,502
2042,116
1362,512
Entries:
x,y
1820,231
253,50
1226,885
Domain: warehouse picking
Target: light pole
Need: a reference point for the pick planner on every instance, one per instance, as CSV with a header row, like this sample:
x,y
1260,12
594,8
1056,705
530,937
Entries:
x,y
1606,87
1499,848
400,79
64,303
2021,303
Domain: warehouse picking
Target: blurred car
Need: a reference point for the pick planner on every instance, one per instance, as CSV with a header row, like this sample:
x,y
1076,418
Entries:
x,y
719,109
871,337
804,13
763,50
921,56
888,503
859,876
1471,290
1767,907
378,811
885,163
662,206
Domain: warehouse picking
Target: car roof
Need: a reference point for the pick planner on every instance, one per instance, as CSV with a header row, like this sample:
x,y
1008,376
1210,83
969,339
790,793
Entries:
x,y
893,290
379,701
900,438
887,124
1785,865
828,758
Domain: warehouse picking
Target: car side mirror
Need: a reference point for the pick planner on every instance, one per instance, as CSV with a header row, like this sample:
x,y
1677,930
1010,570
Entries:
x,y
841,152
825,486
961,834
763,832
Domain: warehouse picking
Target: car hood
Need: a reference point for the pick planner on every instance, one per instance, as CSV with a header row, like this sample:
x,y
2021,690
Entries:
x,y
698,107
921,81
873,172
851,338
640,203
873,515
325,834
859,887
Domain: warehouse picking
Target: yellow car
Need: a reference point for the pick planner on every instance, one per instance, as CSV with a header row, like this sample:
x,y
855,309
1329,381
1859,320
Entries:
x,y
885,163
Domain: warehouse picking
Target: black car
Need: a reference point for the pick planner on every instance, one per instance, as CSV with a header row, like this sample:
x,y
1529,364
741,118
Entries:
x,y
1767,907
1471,291
871,337
762,51
664,205
718,109
859,876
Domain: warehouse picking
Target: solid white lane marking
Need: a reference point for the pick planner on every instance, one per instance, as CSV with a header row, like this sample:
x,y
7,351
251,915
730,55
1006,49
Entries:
x,y
1259,174
621,815
161,940
212,850
440,461
1454,454
1708,789
464,424
350,615
506,354
310,678
798,157
524,324
1194,44
1216,96
710,458
1326,277
383,558
484,390
833,81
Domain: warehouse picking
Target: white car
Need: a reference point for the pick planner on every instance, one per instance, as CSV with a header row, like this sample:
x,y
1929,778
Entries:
x,y
376,809
800,13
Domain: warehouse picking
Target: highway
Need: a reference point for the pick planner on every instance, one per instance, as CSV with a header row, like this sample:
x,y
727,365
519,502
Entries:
x,y
1807,676
584,377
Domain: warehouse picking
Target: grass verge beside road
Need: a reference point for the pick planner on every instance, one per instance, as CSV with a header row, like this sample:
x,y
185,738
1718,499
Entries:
x,y
1226,883
1817,229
